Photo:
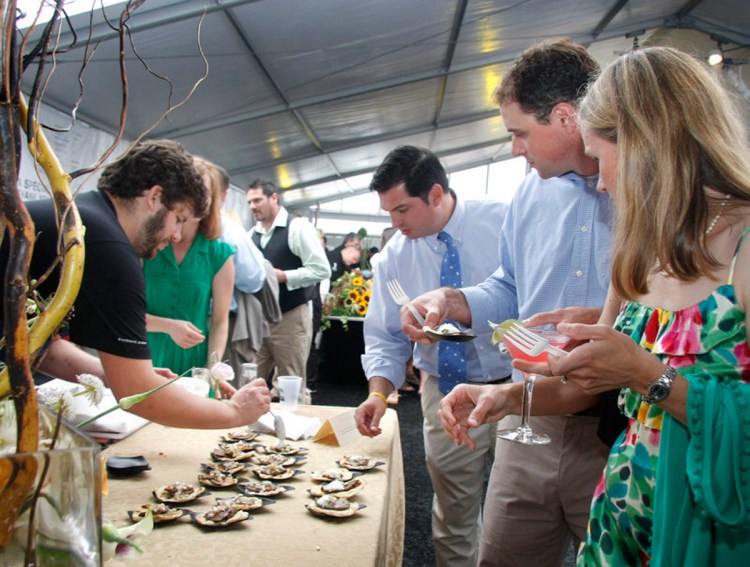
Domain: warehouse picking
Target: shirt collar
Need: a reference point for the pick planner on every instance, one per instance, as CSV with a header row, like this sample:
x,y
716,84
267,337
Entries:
x,y
280,220
454,226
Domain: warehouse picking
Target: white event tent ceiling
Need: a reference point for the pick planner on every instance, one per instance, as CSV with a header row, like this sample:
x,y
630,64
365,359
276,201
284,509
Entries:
x,y
314,93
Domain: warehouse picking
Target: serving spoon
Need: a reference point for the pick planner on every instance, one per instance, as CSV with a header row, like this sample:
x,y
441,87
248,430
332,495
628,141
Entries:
x,y
279,428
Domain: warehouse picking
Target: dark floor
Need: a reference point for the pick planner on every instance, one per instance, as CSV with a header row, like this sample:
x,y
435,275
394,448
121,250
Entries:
x,y
418,550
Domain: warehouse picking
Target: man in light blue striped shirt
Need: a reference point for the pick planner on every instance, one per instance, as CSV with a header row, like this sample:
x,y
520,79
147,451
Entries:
x,y
555,246
413,187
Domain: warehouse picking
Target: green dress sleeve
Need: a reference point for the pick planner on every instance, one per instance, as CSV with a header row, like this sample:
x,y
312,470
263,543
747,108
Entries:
x,y
702,497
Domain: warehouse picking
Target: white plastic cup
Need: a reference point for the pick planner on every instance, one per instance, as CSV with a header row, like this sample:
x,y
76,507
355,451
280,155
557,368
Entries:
x,y
289,390
204,375
248,373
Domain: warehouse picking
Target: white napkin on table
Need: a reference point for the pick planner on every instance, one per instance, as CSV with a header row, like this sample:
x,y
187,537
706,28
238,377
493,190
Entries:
x,y
297,426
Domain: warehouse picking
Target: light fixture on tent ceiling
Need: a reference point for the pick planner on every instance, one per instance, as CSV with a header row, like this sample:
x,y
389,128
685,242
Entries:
x,y
718,56
636,44
634,35
715,56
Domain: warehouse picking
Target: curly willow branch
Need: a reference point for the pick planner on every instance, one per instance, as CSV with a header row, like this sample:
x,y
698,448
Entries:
x,y
72,241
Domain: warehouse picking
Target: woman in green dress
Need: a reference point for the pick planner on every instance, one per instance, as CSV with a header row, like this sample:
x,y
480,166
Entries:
x,y
189,289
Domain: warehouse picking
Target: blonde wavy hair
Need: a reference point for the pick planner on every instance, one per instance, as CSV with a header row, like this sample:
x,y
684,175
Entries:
x,y
677,132
210,225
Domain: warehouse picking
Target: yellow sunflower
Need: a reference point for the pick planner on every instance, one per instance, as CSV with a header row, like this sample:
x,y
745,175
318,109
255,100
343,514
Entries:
x,y
357,281
354,295
362,308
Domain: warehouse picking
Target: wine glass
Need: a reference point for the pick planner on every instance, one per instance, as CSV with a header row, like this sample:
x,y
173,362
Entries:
x,y
523,433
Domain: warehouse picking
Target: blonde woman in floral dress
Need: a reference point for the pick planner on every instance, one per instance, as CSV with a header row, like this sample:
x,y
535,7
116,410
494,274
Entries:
x,y
672,151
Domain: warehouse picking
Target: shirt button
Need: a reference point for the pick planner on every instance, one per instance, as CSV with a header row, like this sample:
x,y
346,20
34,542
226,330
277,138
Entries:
x,y
584,229
590,184
579,273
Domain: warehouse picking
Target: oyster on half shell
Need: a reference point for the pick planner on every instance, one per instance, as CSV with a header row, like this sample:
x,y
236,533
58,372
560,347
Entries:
x,y
358,462
217,479
332,474
178,492
160,512
263,488
242,502
221,515
338,488
274,472
333,507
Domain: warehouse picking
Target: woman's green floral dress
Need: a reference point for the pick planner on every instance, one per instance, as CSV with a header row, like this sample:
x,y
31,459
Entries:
x,y
708,338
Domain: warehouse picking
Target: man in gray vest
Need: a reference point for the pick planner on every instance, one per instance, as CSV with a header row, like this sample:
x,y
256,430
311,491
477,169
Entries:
x,y
292,246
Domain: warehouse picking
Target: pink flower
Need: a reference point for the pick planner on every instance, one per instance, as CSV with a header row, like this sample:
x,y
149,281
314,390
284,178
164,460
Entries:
x,y
222,371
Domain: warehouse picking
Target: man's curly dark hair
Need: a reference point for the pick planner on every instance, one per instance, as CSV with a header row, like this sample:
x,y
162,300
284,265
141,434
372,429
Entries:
x,y
157,162
548,73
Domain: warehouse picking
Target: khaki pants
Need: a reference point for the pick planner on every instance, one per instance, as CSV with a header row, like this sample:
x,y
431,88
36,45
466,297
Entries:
x,y
458,474
287,348
540,495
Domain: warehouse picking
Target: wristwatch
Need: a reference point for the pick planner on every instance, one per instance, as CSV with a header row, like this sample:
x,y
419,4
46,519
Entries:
x,y
659,389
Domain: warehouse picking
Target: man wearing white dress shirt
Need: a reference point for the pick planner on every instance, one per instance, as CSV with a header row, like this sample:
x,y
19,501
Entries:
x,y
413,188
292,246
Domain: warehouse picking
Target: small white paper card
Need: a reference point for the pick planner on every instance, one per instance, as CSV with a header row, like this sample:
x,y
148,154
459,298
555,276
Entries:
x,y
338,430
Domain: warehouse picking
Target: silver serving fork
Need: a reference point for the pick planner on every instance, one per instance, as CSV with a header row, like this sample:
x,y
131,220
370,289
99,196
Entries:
x,y
529,342
399,296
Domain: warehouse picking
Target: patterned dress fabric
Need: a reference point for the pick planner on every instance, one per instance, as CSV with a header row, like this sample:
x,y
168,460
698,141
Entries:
x,y
707,339
451,356
183,291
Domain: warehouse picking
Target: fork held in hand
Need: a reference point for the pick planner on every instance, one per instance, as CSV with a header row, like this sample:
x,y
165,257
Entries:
x,y
529,342
399,296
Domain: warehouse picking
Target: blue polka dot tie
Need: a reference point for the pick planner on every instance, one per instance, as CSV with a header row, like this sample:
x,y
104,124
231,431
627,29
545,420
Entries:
x,y
451,356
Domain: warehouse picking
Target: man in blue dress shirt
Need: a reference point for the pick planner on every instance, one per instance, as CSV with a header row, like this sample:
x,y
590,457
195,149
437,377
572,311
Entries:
x,y
555,246
413,188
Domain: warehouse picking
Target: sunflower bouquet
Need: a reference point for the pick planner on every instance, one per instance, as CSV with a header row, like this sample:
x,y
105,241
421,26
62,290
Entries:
x,y
349,296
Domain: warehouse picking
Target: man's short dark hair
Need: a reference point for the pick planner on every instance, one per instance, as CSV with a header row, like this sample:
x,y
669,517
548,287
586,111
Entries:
x,y
223,177
268,187
157,162
546,74
417,168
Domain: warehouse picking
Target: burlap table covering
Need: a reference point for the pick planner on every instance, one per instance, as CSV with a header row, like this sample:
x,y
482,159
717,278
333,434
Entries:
x,y
284,533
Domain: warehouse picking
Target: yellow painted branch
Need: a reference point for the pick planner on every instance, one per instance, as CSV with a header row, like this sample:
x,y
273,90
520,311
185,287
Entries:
x,y
72,241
